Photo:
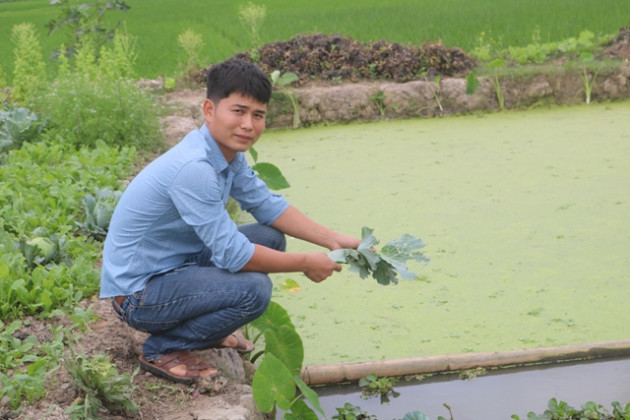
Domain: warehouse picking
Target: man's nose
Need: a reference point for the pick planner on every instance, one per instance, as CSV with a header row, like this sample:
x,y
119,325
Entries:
x,y
247,122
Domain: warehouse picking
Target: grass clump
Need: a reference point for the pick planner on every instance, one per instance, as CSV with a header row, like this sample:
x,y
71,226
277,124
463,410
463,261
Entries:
x,y
102,387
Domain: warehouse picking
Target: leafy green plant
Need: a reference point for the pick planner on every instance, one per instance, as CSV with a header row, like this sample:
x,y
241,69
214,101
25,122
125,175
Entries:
x,y
277,379
352,412
379,101
472,83
386,266
372,385
25,364
102,387
284,80
96,103
560,410
268,172
587,79
17,125
29,70
99,209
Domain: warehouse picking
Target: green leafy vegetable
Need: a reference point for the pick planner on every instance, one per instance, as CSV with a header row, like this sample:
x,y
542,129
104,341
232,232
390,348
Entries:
x,y
386,265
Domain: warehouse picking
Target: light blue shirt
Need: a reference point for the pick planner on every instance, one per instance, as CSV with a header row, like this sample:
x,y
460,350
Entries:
x,y
176,206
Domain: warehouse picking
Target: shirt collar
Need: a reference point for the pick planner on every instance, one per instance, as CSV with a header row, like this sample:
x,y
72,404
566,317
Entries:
x,y
216,156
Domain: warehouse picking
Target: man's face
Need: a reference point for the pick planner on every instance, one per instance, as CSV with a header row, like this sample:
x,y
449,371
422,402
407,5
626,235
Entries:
x,y
235,123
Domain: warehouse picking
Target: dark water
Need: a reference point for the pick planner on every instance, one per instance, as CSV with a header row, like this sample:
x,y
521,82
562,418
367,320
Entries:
x,y
497,395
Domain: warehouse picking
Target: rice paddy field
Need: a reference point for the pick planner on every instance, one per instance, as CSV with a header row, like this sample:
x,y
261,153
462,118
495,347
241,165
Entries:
x,y
461,23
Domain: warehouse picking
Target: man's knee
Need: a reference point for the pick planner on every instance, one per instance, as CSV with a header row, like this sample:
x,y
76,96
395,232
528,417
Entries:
x,y
262,295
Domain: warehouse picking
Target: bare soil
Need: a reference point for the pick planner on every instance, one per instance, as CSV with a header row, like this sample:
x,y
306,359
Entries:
x,y
356,65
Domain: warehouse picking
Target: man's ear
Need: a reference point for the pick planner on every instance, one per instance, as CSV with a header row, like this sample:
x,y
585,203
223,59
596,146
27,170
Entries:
x,y
208,109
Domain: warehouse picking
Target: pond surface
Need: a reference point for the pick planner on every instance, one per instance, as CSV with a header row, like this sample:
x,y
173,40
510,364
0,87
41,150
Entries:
x,y
526,217
498,394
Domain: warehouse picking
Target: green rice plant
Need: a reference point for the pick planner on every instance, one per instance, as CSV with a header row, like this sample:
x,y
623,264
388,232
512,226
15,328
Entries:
x,y
29,68
157,24
103,389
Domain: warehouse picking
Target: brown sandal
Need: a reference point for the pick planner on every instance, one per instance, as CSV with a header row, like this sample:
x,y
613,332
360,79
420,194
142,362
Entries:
x,y
243,346
194,366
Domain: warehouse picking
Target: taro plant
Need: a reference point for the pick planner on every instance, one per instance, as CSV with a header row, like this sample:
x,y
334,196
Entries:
x,y
268,172
277,382
587,58
284,80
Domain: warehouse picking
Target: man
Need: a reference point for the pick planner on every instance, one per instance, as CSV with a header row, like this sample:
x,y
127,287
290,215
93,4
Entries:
x,y
174,263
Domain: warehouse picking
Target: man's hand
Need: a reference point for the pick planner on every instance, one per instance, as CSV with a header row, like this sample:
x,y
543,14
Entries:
x,y
320,266
344,241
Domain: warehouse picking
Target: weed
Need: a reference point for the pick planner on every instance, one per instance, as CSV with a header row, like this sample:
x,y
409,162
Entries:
x,y
379,99
28,66
372,386
101,386
352,412
252,17
494,65
192,45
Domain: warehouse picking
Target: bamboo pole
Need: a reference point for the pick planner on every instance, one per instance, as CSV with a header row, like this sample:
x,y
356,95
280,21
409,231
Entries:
x,y
348,372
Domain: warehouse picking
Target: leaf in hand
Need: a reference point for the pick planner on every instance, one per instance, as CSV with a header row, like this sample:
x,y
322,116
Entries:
x,y
398,251
385,266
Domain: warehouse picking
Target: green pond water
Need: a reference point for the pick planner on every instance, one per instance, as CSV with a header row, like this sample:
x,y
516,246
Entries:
x,y
526,217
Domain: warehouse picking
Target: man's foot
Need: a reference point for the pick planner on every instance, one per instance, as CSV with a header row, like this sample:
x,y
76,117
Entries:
x,y
237,343
180,366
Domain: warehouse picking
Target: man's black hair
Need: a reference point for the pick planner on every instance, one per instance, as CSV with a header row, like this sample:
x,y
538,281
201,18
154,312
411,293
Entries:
x,y
238,76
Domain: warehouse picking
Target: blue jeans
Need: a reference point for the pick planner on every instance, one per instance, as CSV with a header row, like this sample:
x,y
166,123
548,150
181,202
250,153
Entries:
x,y
198,304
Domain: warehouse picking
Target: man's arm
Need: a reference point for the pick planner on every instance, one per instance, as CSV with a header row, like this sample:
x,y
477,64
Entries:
x,y
316,266
295,223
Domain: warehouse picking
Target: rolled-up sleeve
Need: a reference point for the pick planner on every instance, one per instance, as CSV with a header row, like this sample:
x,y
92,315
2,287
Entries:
x,y
197,192
254,196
